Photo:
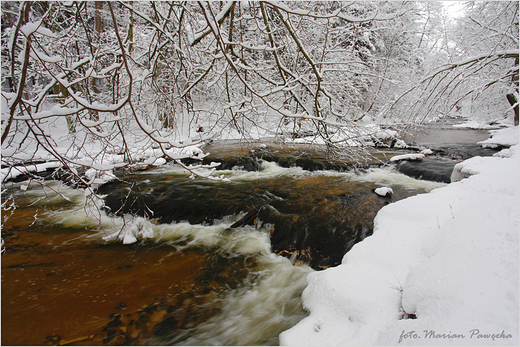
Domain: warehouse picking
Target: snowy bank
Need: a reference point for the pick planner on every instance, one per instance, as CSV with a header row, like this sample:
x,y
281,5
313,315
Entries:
x,y
476,125
10,173
366,135
440,269
502,137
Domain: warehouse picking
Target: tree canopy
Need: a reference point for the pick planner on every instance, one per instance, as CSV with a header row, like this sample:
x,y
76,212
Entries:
x,y
168,75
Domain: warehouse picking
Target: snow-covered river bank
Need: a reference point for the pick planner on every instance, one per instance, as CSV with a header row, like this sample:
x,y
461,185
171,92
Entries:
x,y
440,269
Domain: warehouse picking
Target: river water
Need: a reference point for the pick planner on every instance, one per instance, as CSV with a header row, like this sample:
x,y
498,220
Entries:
x,y
202,278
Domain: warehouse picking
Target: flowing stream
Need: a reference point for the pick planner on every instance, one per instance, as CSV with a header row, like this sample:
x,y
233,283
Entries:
x,y
226,262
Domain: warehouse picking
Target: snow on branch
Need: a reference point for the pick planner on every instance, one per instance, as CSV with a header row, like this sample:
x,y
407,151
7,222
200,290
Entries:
x,y
498,55
153,23
337,14
219,18
253,47
56,110
154,134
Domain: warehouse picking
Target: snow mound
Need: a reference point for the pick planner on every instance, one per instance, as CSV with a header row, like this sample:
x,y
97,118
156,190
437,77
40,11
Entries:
x,y
411,156
384,191
440,269
400,144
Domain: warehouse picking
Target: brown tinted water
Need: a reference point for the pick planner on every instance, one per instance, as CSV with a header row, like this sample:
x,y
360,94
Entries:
x,y
59,287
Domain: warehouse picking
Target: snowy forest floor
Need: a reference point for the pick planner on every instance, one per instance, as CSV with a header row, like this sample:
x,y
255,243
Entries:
x,y
440,269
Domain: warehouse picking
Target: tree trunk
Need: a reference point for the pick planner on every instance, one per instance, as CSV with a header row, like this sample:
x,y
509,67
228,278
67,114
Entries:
x,y
511,97
131,30
98,29
513,101
98,24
